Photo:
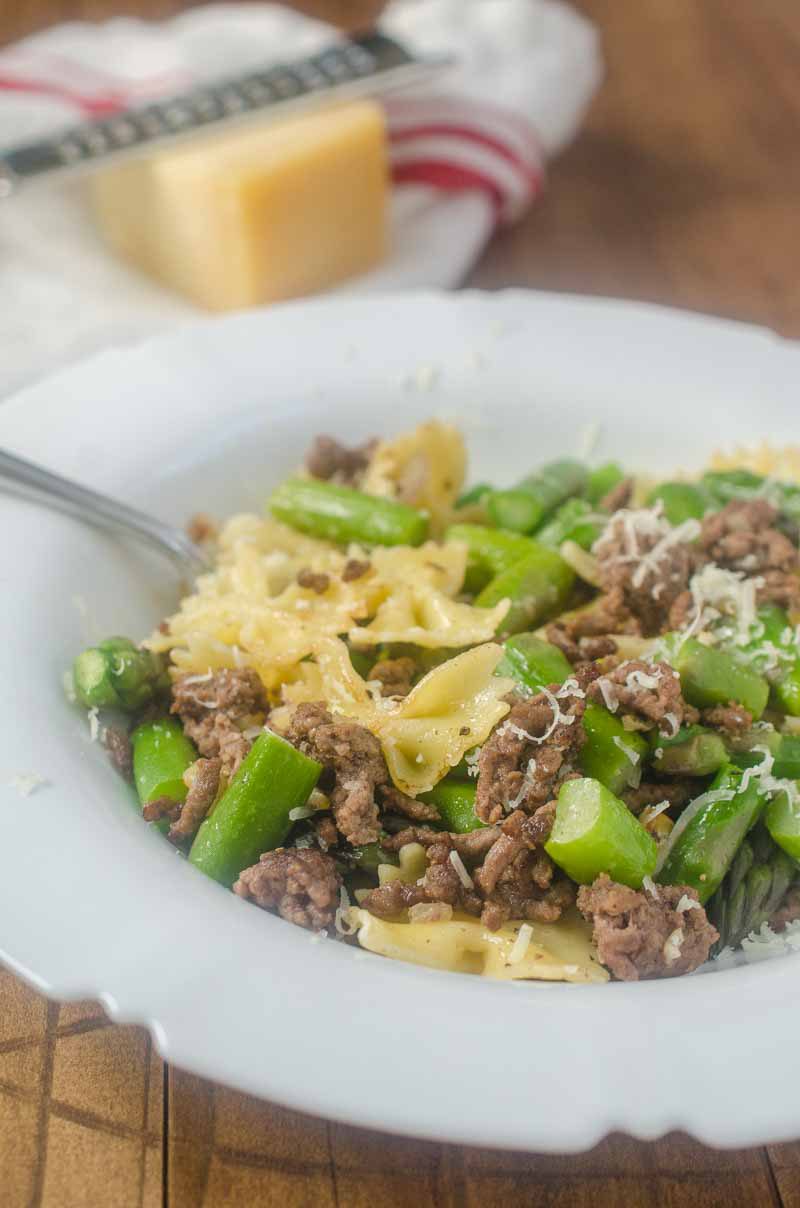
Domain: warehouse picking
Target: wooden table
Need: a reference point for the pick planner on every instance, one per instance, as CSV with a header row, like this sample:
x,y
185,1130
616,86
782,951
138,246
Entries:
x,y
682,189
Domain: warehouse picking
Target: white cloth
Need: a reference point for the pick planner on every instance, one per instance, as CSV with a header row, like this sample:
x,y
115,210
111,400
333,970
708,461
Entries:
x,y
467,150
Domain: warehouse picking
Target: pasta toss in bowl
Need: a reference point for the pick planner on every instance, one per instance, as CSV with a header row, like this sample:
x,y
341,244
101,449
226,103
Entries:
x,y
548,731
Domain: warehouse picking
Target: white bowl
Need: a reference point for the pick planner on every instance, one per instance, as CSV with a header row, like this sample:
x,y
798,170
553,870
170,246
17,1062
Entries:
x,y
93,904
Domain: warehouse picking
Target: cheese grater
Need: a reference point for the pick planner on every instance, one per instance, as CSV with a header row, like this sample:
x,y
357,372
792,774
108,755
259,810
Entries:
x,y
363,66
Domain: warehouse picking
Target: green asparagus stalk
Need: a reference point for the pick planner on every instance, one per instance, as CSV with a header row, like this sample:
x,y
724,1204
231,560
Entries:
x,y
752,890
701,847
680,501
575,521
602,480
474,495
116,674
710,676
342,514
747,751
370,855
161,754
785,679
252,816
490,551
523,508
782,819
537,587
456,805
694,751
594,833
533,662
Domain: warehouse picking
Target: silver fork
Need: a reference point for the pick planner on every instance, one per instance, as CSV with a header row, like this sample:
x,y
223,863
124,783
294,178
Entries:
x,y
43,486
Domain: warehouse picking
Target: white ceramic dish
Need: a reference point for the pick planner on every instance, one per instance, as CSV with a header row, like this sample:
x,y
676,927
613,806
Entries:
x,y
93,904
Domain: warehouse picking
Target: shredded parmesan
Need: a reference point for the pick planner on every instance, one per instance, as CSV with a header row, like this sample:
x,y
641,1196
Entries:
x,y
628,752
94,724
649,886
674,723
609,694
199,679
300,812
463,876
521,944
672,945
686,903
643,679
27,782
652,811
342,921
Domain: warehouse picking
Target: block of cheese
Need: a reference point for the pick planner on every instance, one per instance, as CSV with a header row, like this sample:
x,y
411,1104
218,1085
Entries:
x,y
254,214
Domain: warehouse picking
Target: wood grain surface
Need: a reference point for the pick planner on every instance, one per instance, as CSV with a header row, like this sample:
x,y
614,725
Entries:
x,y
682,189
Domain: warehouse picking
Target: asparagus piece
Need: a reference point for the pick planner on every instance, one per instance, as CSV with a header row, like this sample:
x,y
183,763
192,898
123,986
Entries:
x,y
602,480
785,679
537,587
533,662
681,501
116,674
490,551
575,521
474,495
370,855
594,833
253,814
710,676
701,847
748,751
524,507
161,754
342,514
752,890
694,751
782,820
456,805
610,754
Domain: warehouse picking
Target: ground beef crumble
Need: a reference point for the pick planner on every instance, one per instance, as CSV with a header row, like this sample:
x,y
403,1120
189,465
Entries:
x,y
334,462
118,744
629,691
648,588
618,497
394,675
355,568
677,791
732,719
528,757
201,796
210,709
641,935
743,537
353,760
586,635
398,803
301,884
316,581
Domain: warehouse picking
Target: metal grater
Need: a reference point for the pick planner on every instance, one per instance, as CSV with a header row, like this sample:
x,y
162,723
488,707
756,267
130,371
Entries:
x,y
362,66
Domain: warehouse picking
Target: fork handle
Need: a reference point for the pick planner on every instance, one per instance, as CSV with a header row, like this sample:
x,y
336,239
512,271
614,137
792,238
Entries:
x,y
99,510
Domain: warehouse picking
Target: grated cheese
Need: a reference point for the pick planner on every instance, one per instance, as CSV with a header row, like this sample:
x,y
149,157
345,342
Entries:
x,y
27,782
609,694
675,724
463,876
643,679
527,781
341,920
521,944
686,903
631,755
649,886
300,812
672,945
199,679
94,724
650,812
